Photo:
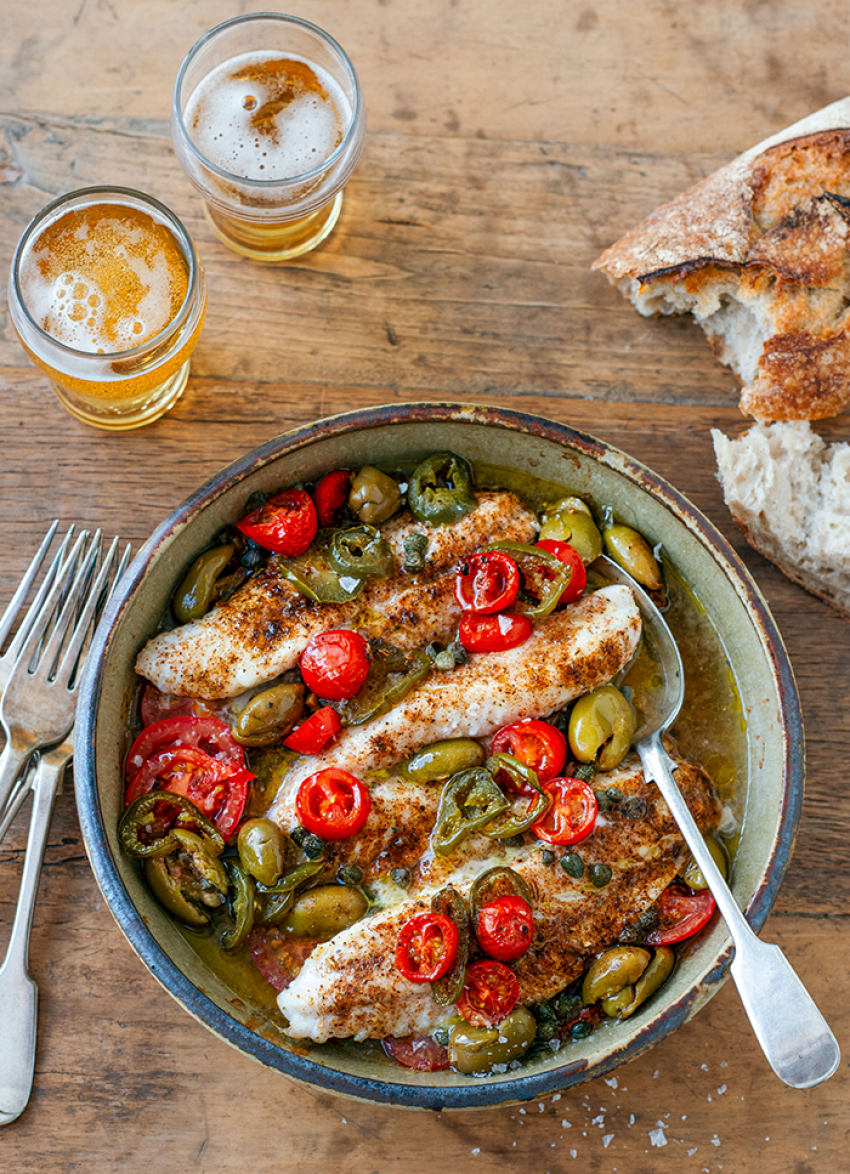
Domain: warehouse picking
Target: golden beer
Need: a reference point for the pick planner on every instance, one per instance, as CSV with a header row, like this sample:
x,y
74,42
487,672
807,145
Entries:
x,y
269,136
108,297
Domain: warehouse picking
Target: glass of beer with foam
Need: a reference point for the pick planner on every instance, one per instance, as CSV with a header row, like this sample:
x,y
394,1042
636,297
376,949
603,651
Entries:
x,y
107,294
268,122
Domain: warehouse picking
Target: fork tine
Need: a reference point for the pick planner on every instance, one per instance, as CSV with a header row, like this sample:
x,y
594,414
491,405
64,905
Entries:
x,y
93,598
40,623
68,617
34,610
9,616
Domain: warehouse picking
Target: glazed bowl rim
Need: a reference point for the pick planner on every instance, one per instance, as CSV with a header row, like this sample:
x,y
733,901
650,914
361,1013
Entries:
x,y
525,1086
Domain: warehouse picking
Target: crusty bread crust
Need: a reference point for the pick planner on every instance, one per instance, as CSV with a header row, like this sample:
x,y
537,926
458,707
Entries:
x,y
758,251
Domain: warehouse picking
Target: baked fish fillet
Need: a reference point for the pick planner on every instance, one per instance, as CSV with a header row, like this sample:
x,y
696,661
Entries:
x,y
261,631
569,653
349,986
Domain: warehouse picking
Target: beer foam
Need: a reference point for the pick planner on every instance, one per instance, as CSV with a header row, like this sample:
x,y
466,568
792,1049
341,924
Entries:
x,y
104,278
267,116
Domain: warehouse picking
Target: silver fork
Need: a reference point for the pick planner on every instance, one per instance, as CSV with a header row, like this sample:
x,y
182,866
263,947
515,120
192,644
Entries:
x,y
24,784
15,605
41,702
21,695
10,618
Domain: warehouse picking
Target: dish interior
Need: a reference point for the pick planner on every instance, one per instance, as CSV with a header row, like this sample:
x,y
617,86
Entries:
x,y
759,693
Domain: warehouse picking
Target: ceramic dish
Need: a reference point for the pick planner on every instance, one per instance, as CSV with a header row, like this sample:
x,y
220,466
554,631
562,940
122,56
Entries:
x,y
773,763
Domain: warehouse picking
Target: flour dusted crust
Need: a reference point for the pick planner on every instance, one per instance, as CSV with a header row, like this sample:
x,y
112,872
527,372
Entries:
x,y
790,493
759,252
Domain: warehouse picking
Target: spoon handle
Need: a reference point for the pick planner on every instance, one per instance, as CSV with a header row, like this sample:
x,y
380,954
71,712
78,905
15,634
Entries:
x,y
793,1034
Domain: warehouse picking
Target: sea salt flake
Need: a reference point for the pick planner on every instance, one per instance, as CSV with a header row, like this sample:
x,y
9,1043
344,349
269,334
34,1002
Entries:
x,y
721,1090
607,1138
716,1140
477,1150
657,1138
566,1124
556,1097
613,1082
691,1152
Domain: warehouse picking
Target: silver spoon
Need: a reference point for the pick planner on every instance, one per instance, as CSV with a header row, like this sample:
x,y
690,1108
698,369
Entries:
x,y
793,1034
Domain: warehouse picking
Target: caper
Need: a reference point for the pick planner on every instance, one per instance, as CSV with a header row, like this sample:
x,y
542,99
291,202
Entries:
x,y
634,807
614,795
547,1031
581,1030
311,845
631,551
692,874
270,715
374,496
576,527
350,874
600,875
443,759
573,865
322,912
601,799
192,598
616,968
400,877
602,724
187,881
475,1050
567,1003
548,856
262,850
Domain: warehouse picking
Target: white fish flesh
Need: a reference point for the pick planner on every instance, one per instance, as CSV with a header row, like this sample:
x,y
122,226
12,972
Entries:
x,y
264,627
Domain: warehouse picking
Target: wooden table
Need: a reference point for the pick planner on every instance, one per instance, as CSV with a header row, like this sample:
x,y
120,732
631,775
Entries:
x,y
506,147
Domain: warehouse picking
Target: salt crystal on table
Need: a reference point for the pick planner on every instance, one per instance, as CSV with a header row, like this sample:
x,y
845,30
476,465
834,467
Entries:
x,y
656,1136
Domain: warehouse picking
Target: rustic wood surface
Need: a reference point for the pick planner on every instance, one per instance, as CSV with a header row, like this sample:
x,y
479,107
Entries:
x,y
507,145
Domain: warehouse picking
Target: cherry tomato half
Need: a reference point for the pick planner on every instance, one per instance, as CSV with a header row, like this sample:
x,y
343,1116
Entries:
x,y
315,733
493,633
155,706
681,913
426,947
505,928
287,523
536,743
200,733
335,664
333,804
331,495
490,993
217,789
572,814
420,1052
487,582
570,556
277,956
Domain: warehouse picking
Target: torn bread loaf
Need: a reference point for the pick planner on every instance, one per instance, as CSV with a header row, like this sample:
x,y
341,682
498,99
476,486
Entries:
x,y
759,253
790,494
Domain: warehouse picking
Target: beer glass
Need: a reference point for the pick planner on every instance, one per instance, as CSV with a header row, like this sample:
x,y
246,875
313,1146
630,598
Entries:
x,y
107,295
268,122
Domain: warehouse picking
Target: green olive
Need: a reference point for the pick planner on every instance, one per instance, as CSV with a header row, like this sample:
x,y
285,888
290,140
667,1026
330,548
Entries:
x,y
262,850
576,527
692,874
477,1049
602,724
192,598
626,1002
322,912
631,551
374,496
187,881
443,759
618,967
269,716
